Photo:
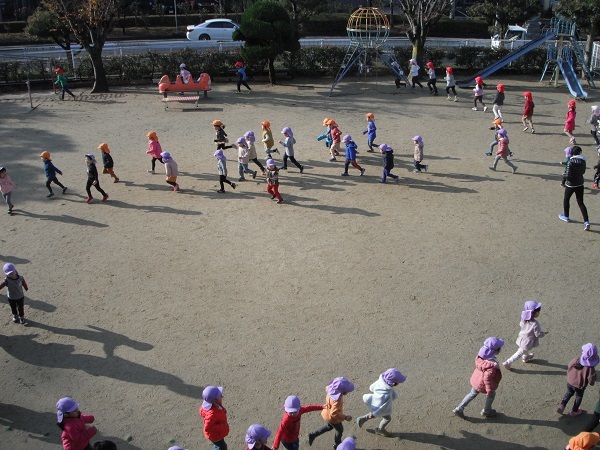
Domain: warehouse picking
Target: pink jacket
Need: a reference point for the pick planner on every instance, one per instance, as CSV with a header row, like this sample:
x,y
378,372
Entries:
x,y
154,149
336,134
6,184
502,147
570,120
486,376
75,435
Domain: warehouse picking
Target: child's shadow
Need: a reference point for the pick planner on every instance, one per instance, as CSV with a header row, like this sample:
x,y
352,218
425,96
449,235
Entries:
x,y
40,304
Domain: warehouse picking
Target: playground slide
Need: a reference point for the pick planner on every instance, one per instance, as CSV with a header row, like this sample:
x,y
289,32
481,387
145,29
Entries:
x,y
507,59
571,79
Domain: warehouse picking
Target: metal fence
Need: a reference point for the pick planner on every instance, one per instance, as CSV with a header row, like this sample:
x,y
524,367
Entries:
x,y
595,63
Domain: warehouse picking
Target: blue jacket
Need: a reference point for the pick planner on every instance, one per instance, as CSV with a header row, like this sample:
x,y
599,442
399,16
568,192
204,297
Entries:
x,y
370,132
50,169
351,150
242,73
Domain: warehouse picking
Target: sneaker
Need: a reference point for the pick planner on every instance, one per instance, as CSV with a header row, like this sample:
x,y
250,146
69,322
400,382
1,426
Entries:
x,y
254,175
336,153
241,179
485,108
586,226
382,181
89,199
22,320
564,218
514,169
151,171
594,186
15,319
362,171
104,198
344,174
576,413
492,168
449,98
525,129
510,154
488,153
273,197
221,191
532,131
527,358
65,188
280,201
302,169
360,421
238,92
416,171
474,108
458,412
233,185
370,151
490,413
507,365
455,99
382,432
560,408
51,194
116,181
311,439
332,159
426,167
276,151
283,168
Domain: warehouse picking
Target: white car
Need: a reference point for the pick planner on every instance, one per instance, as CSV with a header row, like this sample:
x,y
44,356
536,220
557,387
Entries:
x,y
214,29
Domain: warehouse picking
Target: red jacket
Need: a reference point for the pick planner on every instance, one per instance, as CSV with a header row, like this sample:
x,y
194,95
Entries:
x,y
503,149
75,435
528,109
289,428
215,423
486,376
336,134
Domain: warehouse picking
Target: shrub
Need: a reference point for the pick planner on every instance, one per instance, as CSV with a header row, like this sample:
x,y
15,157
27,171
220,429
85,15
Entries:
x,y
474,29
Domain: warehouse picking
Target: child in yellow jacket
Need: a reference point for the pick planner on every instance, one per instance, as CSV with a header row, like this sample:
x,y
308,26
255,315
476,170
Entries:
x,y
333,413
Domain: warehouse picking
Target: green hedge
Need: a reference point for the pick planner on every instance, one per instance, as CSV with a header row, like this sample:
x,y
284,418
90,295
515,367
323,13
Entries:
x,y
12,27
474,29
325,25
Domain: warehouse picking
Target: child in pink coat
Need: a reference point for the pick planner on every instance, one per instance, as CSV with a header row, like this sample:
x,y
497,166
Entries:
x,y
6,187
485,379
154,150
570,121
503,151
75,434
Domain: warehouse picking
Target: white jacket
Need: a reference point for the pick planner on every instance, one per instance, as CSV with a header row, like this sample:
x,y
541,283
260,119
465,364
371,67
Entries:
x,y
380,401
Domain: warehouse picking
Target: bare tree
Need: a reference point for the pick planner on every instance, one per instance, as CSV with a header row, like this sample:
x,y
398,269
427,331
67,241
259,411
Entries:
x,y
421,15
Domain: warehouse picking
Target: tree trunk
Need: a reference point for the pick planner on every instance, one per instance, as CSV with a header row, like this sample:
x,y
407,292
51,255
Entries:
x,y
272,71
418,49
100,80
589,44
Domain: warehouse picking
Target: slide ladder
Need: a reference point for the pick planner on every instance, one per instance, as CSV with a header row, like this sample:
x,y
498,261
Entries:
x,y
571,79
389,60
581,60
507,59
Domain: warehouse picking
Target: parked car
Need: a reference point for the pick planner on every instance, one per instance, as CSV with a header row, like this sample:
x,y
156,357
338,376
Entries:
x,y
213,29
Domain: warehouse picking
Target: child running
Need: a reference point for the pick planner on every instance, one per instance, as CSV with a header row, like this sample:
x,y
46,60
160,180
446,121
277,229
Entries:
x,y
530,334
327,134
62,80
351,156
418,141
6,187
570,120
388,162
214,414
75,433
289,149
243,160
15,284
596,175
580,372
242,77
252,156
503,151
496,126
154,150
256,437
371,132
528,112
336,137
221,138
478,94
485,378
273,181
108,162
289,429
450,83
595,124
333,412
267,139
431,84
222,168
498,102
380,401
92,180
414,74
51,170
171,170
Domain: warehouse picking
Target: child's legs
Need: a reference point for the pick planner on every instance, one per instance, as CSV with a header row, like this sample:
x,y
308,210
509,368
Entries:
x,y
448,90
246,84
597,177
172,183
99,189
270,190
222,178
371,142
7,197
111,172
492,145
355,165
418,165
434,85
595,136
88,185
567,200
384,422
468,399
220,445
276,191
489,399
48,185
58,183
239,85
268,151
475,101
260,166
346,165
285,159
324,429
62,92
291,445
496,159
497,112
568,394
334,149
246,169
384,175
510,164
578,398
296,163
516,356
339,432
241,169
569,133
154,163
524,121
529,121
13,306
453,90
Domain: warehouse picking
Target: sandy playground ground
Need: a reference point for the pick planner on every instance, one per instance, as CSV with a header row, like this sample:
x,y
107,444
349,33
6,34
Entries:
x,y
137,304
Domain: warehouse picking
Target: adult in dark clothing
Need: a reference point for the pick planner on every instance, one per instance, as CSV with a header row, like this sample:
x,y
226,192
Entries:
x,y
574,185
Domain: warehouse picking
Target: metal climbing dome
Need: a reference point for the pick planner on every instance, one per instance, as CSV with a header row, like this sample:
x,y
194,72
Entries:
x,y
368,29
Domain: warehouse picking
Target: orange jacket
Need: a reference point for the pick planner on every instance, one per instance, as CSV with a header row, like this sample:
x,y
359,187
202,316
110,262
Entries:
x,y
334,410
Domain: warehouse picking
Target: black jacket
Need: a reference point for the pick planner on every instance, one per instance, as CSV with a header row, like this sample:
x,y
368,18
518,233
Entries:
x,y
92,172
575,170
107,160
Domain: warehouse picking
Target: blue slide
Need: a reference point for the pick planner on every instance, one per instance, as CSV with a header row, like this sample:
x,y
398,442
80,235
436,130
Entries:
x,y
507,59
571,79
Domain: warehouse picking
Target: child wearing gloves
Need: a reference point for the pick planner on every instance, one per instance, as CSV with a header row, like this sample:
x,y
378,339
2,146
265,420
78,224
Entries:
x,y
289,429
580,372
214,414
333,412
380,401
485,378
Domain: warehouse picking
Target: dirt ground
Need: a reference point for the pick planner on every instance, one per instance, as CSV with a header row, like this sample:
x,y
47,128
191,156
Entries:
x,y
136,304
